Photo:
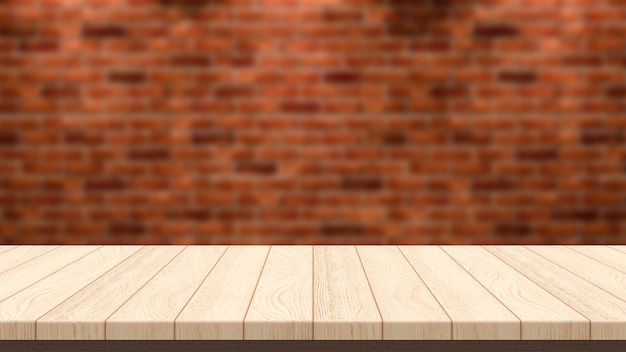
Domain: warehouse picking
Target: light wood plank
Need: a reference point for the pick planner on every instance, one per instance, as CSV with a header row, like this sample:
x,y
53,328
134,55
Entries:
x,y
619,248
149,314
606,312
20,255
476,314
604,254
409,310
38,268
5,248
602,275
18,313
82,316
343,303
216,311
543,316
282,305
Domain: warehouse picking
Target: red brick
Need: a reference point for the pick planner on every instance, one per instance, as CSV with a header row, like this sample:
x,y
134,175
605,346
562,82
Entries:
x,y
355,130
300,106
228,92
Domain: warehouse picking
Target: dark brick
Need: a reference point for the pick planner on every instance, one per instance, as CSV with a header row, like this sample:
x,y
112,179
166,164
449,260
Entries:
x,y
187,3
302,106
104,31
495,184
615,215
105,185
44,45
362,183
84,137
430,45
8,106
127,77
387,137
190,214
234,92
582,60
343,77
471,137
235,60
15,214
407,28
602,137
56,91
341,229
542,154
617,92
18,29
55,185
234,214
190,60
449,91
491,31
127,228
212,138
8,138
332,15
446,4
576,214
512,229
148,154
263,168
517,76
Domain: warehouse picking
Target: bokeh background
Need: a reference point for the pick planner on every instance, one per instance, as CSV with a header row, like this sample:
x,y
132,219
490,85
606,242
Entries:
x,y
312,121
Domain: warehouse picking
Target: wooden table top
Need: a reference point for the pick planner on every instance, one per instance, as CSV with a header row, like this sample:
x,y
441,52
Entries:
x,y
279,292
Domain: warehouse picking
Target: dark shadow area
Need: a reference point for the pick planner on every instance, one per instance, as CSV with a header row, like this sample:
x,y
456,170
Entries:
x,y
312,346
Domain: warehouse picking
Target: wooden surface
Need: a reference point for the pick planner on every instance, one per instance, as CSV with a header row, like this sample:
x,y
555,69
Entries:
x,y
313,292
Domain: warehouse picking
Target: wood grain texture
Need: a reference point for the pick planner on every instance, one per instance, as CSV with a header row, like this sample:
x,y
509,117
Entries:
x,y
313,292
217,310
82,316
606,312
5,248
619,248
344,307
20,255
18,313
39,267
543,316
476,314
604,254
149,314
599,274
408,308
282,305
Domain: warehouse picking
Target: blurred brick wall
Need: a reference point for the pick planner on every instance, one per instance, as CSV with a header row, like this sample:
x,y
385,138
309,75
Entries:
x,y
312,121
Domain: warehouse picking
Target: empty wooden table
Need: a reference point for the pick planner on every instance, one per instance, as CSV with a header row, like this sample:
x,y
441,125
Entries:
x,y
318,292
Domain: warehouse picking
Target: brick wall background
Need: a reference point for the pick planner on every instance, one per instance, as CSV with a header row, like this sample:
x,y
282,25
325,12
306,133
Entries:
x,y
312,121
